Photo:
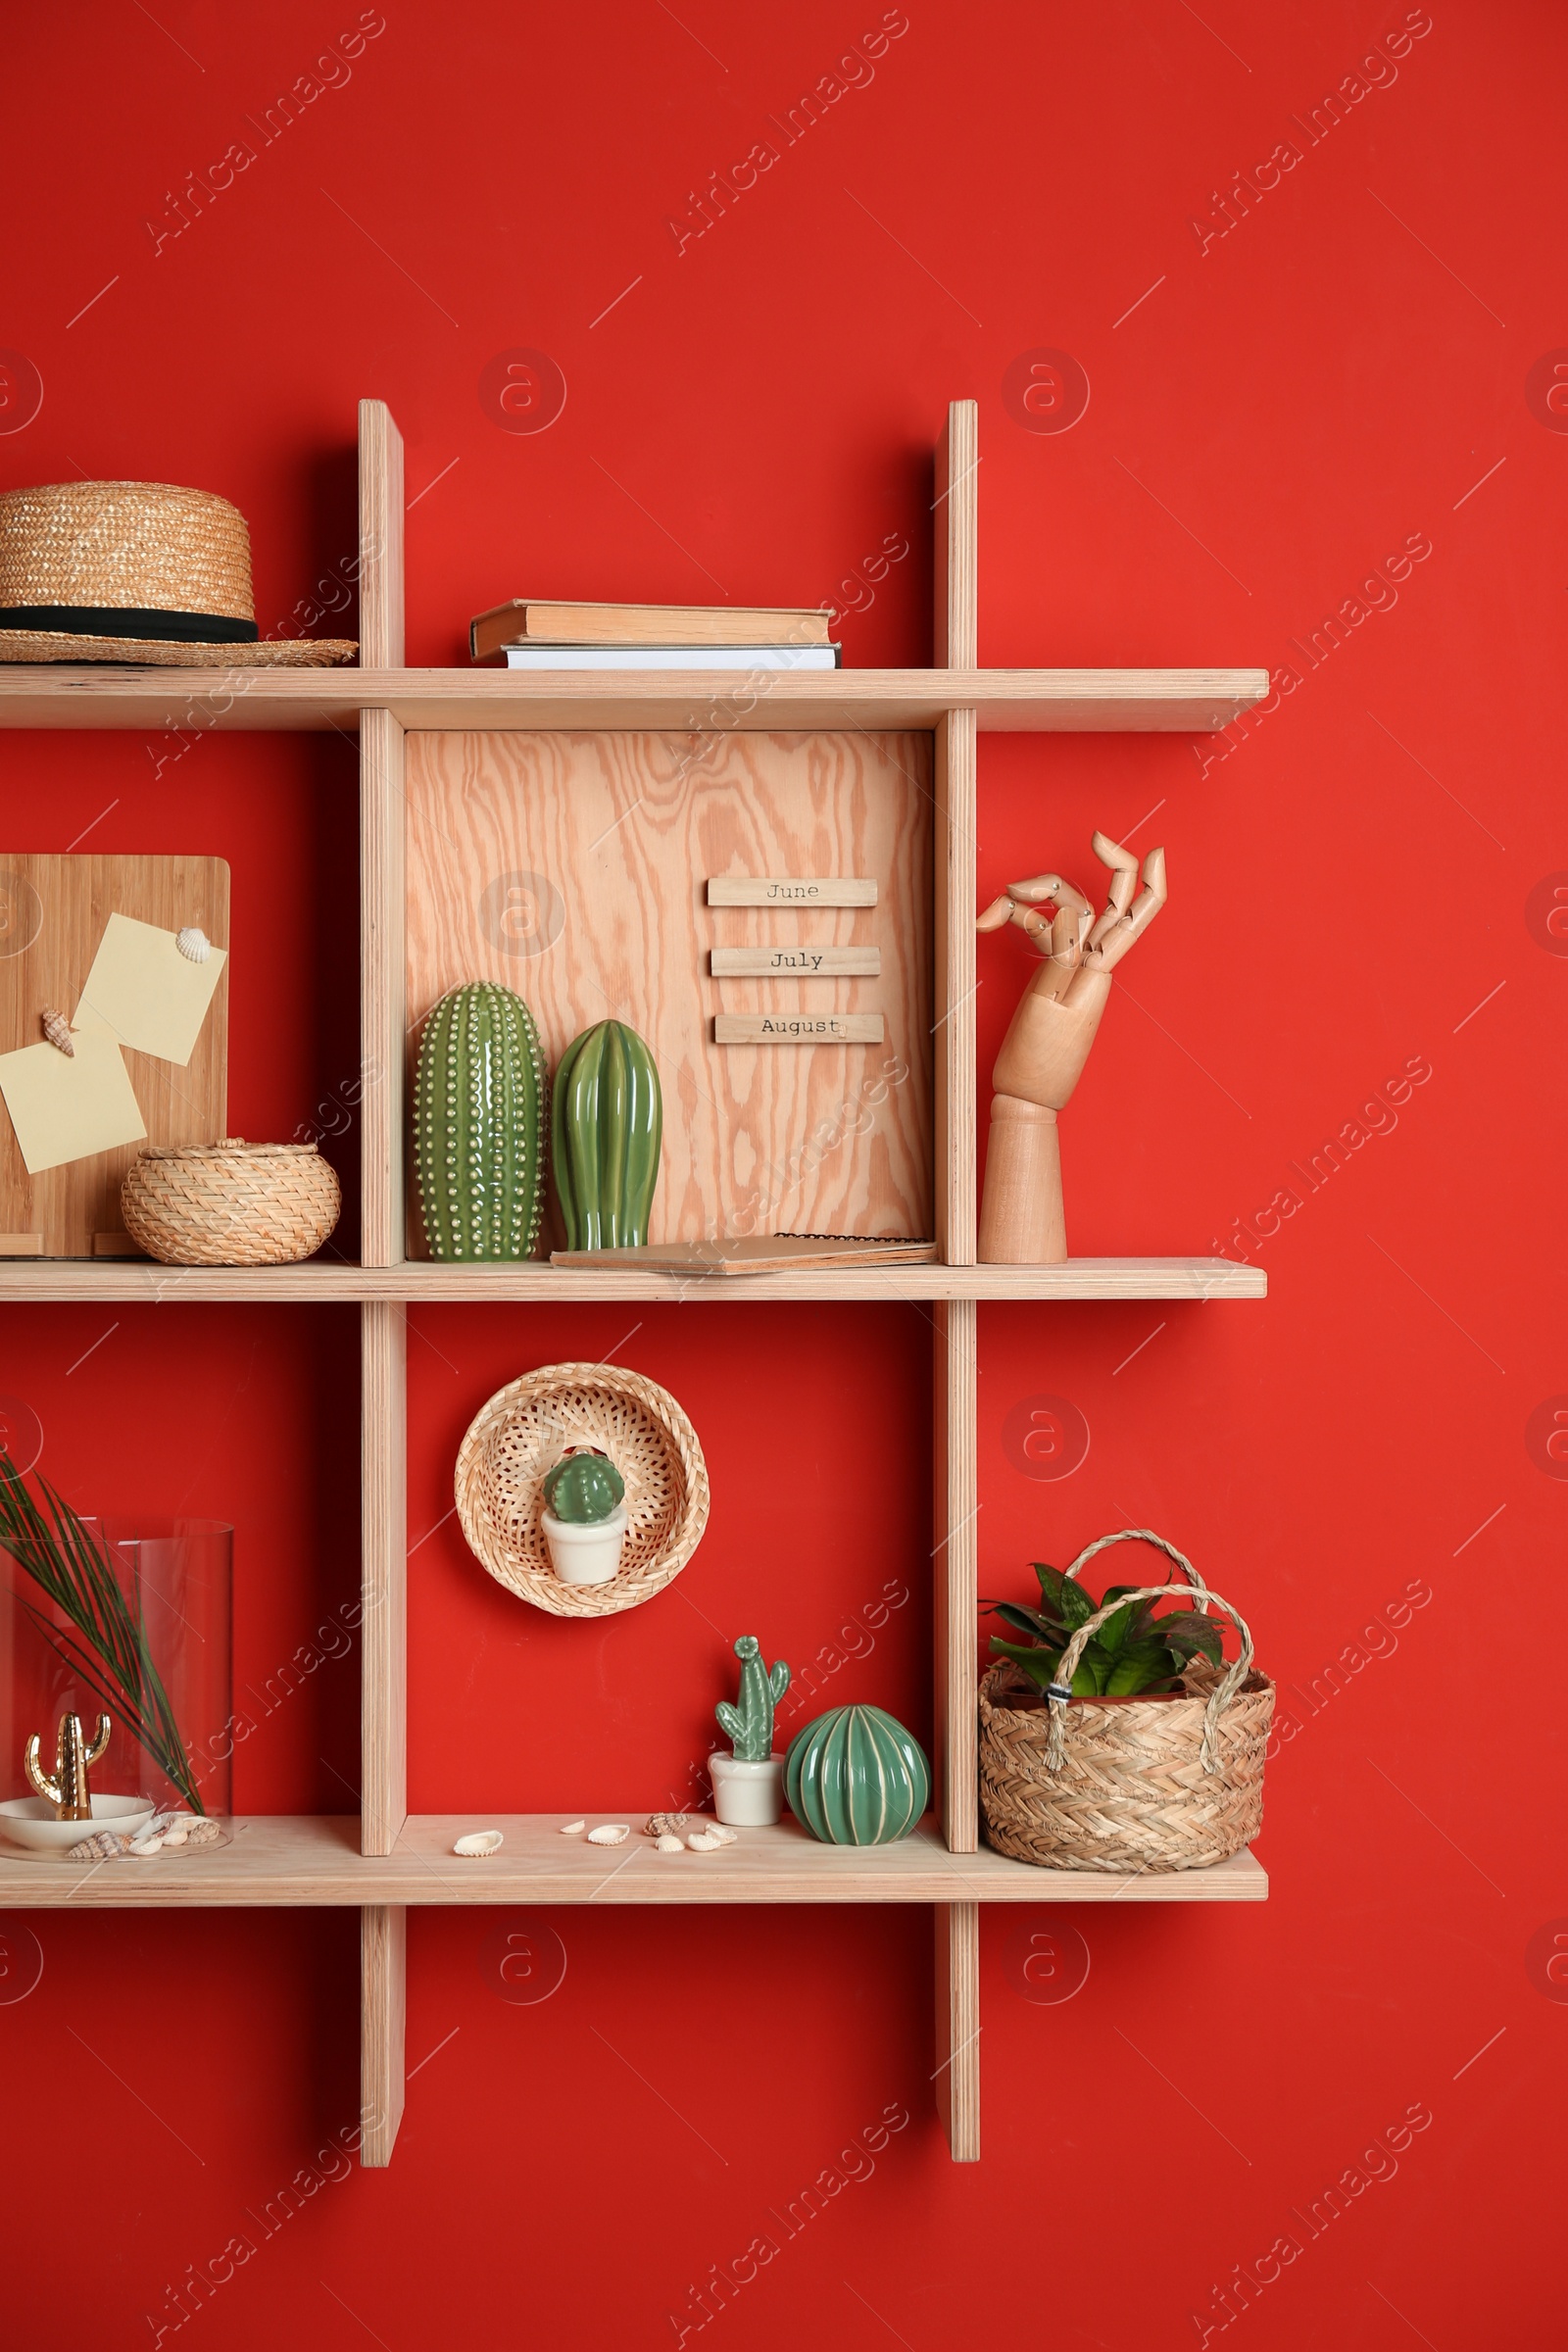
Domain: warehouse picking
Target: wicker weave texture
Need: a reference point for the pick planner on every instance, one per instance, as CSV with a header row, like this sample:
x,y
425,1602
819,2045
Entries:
x,y
137,545
124,543
525,1429
1132,1792
231,1204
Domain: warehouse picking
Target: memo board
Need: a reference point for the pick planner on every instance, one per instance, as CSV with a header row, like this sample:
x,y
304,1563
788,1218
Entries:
x,y
53,911
574,870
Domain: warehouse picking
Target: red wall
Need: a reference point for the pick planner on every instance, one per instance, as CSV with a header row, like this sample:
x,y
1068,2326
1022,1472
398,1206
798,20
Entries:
x,y
1360,880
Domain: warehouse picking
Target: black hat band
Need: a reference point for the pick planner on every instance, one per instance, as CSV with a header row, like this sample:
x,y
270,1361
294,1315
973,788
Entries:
x,y
130,621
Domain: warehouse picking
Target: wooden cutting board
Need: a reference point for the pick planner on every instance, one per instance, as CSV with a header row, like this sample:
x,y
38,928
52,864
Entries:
x,y
53,911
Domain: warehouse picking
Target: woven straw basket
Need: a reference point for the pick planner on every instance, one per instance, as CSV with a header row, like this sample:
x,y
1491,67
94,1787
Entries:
x,y
231,1204
1160,1783
525,1429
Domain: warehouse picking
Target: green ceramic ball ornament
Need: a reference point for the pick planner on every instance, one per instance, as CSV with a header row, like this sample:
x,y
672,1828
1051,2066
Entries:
x,y
856,1777
583,1489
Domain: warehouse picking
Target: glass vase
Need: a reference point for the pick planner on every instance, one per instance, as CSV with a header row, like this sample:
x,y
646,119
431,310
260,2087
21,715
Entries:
x,y
176,1576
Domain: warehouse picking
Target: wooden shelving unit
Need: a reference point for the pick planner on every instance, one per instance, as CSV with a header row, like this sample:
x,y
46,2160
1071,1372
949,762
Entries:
x,y
388,1861
277,1861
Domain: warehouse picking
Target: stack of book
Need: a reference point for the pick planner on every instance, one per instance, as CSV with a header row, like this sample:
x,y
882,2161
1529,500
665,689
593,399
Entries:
x,y
531,634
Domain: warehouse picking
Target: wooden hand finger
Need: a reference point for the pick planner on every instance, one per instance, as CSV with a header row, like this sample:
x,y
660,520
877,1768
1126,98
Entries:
x,y
1131,926
1066,953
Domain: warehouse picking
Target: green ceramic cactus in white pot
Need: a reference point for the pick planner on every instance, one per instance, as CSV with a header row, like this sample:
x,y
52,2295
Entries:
x,y
584,1518
749,1783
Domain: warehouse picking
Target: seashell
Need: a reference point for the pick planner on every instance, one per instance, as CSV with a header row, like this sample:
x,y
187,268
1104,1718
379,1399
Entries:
x,y
103,1847
193,943
722,1831
57,1029
204,1830
175,1835
658,1823
666,1842
569,1828
610,1832
147,1843
479,1843
700,1843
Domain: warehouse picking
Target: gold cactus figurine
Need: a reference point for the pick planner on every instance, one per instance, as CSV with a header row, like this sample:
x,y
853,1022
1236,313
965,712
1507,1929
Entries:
x,y
67,1792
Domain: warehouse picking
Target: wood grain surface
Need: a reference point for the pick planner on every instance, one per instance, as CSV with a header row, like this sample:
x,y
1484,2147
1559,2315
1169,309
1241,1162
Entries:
x,y
573,869
53,911
305,1859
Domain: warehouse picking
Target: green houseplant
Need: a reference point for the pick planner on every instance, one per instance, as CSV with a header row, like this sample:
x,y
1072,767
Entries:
x,y
1136,1654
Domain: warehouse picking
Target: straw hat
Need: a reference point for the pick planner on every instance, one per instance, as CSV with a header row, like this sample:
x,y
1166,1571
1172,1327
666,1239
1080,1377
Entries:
x,y
136,572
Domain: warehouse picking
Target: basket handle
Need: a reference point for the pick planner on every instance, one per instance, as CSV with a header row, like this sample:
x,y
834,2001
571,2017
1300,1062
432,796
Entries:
x,y
1060,1691
1144,1535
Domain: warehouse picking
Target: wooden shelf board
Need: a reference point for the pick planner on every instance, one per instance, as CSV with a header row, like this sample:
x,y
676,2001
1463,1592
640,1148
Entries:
x,y
1028,700
283,1861
118,1282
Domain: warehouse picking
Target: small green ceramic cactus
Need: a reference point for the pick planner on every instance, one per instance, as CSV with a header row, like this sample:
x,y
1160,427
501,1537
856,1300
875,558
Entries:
x,y
607,1125
583,1489
750,1723
480,1105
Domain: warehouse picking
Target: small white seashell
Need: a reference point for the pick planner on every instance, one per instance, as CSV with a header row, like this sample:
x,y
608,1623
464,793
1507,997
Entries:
x,y
702,1844
666,1842
147,1843
479,1843
720,1830
204,1830
571,1829
193,943
175,1835
610,1832
103,1847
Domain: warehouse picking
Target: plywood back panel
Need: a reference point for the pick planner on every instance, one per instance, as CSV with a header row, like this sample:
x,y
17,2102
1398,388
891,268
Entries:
x,y
53,911
573,869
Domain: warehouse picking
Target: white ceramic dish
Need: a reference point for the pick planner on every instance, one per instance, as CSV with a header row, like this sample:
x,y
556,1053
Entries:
x,y
28,1822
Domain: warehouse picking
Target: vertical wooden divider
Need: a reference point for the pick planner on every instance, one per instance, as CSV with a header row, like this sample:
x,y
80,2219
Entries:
x,y
383,1481
955,1553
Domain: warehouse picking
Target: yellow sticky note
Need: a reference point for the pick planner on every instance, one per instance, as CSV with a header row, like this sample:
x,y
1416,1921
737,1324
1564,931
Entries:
x,y
68,1106
151,996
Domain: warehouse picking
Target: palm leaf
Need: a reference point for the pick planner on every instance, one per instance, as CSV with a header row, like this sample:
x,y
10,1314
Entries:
x,y
112,1655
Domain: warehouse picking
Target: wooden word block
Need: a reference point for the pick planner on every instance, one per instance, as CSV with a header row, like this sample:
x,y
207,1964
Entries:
x,y
798,963
790,890
797,1029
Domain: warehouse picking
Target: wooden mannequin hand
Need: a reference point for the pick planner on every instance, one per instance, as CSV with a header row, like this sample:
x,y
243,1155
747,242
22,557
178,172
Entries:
x,y
1043,1052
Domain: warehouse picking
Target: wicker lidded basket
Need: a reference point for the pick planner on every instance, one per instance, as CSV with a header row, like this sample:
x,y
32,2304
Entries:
x,y
231,1204
525,1429
1128,1784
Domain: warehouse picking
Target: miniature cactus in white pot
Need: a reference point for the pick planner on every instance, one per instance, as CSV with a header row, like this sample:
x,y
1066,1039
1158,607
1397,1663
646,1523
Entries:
x,y
749,1783
584,1518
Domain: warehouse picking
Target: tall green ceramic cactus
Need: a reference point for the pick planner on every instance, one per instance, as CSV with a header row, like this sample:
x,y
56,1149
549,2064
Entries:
x,y
479,1125
607,1123
750,1724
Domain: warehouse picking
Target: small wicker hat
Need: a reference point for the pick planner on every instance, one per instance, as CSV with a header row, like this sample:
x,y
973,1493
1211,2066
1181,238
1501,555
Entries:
x,y
136,572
